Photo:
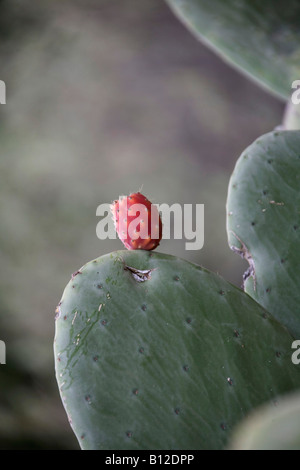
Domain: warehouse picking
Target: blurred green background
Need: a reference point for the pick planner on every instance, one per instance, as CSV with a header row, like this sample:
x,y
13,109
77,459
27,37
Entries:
x,y
102,97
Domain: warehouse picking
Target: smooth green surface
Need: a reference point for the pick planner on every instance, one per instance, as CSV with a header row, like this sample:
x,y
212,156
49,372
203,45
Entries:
x,y
271,428
261,38
173,362
263,213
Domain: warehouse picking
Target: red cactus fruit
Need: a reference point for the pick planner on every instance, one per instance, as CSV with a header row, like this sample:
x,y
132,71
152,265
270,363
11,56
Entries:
x,y
137,222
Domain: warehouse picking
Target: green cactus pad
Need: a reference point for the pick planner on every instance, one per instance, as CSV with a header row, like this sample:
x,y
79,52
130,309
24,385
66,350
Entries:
x,y
263,223
270,428
260,38
153,352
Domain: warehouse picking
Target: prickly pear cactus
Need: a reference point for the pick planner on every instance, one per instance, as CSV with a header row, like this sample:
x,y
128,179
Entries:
x,y
153,352
263,223
146,232
260,38
270,428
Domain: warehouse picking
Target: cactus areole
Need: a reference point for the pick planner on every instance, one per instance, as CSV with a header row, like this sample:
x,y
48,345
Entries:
x,y
137,222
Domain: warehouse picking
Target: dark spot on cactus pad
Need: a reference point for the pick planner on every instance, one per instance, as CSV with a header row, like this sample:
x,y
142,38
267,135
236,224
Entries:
x,y
57,311
144,307
141,350
135,391
82,436
282,260
221,292
189,320
270,161
88,399
129,434
295,227
176,278
100,286
186,368
245,254
65,317
177,411
104,322
268,289
223,426
264,315
278,354
229,380
252,223
234,186
95,358
139,275
236,333
75,274
265,192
